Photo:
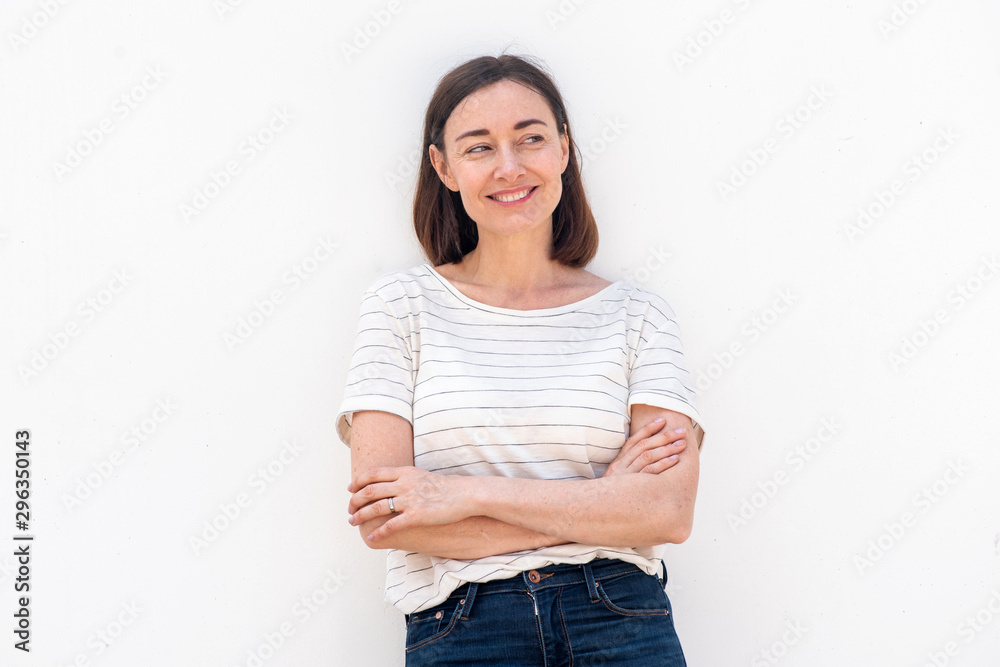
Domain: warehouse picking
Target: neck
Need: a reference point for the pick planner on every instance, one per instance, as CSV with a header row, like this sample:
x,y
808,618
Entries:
x,y
514,263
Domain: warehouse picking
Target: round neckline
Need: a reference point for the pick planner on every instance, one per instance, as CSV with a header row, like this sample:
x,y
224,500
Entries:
x,y
513,311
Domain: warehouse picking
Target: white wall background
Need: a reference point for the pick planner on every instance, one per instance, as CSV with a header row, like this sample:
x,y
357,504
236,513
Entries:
x,y
829,498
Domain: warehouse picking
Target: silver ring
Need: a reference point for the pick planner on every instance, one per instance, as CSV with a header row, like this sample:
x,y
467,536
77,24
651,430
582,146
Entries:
x,y
391,507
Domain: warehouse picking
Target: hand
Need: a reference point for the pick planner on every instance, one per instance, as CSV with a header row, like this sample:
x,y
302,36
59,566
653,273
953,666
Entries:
x,y
650,450
420,498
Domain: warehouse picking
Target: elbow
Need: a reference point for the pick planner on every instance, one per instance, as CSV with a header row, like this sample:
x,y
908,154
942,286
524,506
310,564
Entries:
x,y
675,530
672,535
679,534
676,512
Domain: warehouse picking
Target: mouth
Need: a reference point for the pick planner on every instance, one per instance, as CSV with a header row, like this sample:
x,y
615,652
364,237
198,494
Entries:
x,y
513,197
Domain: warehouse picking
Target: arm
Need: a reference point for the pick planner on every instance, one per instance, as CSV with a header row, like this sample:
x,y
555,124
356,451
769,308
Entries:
x,y
629,509
384,439
622,510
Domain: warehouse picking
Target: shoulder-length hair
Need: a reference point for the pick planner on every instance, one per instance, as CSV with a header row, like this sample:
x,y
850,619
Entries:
x,y
442,224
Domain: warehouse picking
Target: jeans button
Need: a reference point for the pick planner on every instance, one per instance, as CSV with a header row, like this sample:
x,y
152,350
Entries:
x,y
534,577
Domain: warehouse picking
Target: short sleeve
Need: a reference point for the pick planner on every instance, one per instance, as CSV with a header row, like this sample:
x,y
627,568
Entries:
x,y
380,375
659,375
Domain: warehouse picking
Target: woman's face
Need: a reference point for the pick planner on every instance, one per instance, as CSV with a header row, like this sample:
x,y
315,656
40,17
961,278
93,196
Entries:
x,y
504,154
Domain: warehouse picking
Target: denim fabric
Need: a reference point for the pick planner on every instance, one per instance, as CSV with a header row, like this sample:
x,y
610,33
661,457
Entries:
x,y
606,612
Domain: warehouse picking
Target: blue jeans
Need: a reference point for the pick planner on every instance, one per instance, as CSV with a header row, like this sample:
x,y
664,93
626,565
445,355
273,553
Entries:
x,y
607,612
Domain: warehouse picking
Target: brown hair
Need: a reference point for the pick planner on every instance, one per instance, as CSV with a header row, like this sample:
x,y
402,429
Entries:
x,y
442,224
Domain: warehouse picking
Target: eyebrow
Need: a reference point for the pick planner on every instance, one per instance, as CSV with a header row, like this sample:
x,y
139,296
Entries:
x,y
520,125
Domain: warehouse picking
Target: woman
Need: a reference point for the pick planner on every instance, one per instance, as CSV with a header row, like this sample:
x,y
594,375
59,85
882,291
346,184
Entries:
x,y
518,426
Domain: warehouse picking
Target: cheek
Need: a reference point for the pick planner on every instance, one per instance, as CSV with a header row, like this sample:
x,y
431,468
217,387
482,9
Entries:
x,y
557,190
468,202
555,173
551,164
472,176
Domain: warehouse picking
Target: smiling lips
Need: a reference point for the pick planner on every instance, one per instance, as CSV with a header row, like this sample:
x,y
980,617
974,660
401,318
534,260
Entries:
x,y
509,197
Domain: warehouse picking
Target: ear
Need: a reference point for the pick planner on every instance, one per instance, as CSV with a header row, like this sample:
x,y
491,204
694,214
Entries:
x,y
564,144
441,167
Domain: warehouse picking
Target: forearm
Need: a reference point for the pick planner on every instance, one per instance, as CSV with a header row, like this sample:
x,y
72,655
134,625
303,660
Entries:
x,y
473,537
624,510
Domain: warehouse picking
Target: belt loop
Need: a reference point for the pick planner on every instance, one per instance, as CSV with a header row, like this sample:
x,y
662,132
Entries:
x,y
588,574
470,596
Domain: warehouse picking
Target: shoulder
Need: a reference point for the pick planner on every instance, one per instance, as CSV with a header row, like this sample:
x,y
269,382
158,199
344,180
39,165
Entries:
x,y
403,293
645,304
401,280
405,289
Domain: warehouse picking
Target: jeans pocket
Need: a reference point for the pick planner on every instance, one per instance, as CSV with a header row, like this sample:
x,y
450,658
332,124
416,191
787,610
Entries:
x,y
424,627
634,594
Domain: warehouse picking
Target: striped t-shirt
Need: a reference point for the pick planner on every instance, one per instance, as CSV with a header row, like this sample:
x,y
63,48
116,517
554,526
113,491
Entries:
x,y
542,393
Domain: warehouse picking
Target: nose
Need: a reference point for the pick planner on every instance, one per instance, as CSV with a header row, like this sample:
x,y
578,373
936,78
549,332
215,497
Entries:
x,y
509,167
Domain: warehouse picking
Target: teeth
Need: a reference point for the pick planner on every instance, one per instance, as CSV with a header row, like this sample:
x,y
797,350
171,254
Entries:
x,y
513,197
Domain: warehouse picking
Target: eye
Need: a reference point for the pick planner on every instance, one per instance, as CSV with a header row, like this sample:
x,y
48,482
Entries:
x,y
475,149
536,137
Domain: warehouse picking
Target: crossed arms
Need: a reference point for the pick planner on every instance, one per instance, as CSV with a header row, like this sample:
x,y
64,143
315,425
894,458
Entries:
x,y
644,498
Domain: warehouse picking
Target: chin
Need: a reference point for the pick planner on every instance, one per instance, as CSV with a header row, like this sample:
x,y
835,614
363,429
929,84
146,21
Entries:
x,y
510,227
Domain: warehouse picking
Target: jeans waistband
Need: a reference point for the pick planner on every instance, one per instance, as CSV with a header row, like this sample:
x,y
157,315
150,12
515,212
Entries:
x,y
562,574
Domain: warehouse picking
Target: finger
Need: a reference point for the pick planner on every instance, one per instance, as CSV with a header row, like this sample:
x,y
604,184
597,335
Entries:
x,y
652,451
644,432
638,453
371,476
663,464
371,511
657,439
649,429
386,529
374,510
369,494
666,457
